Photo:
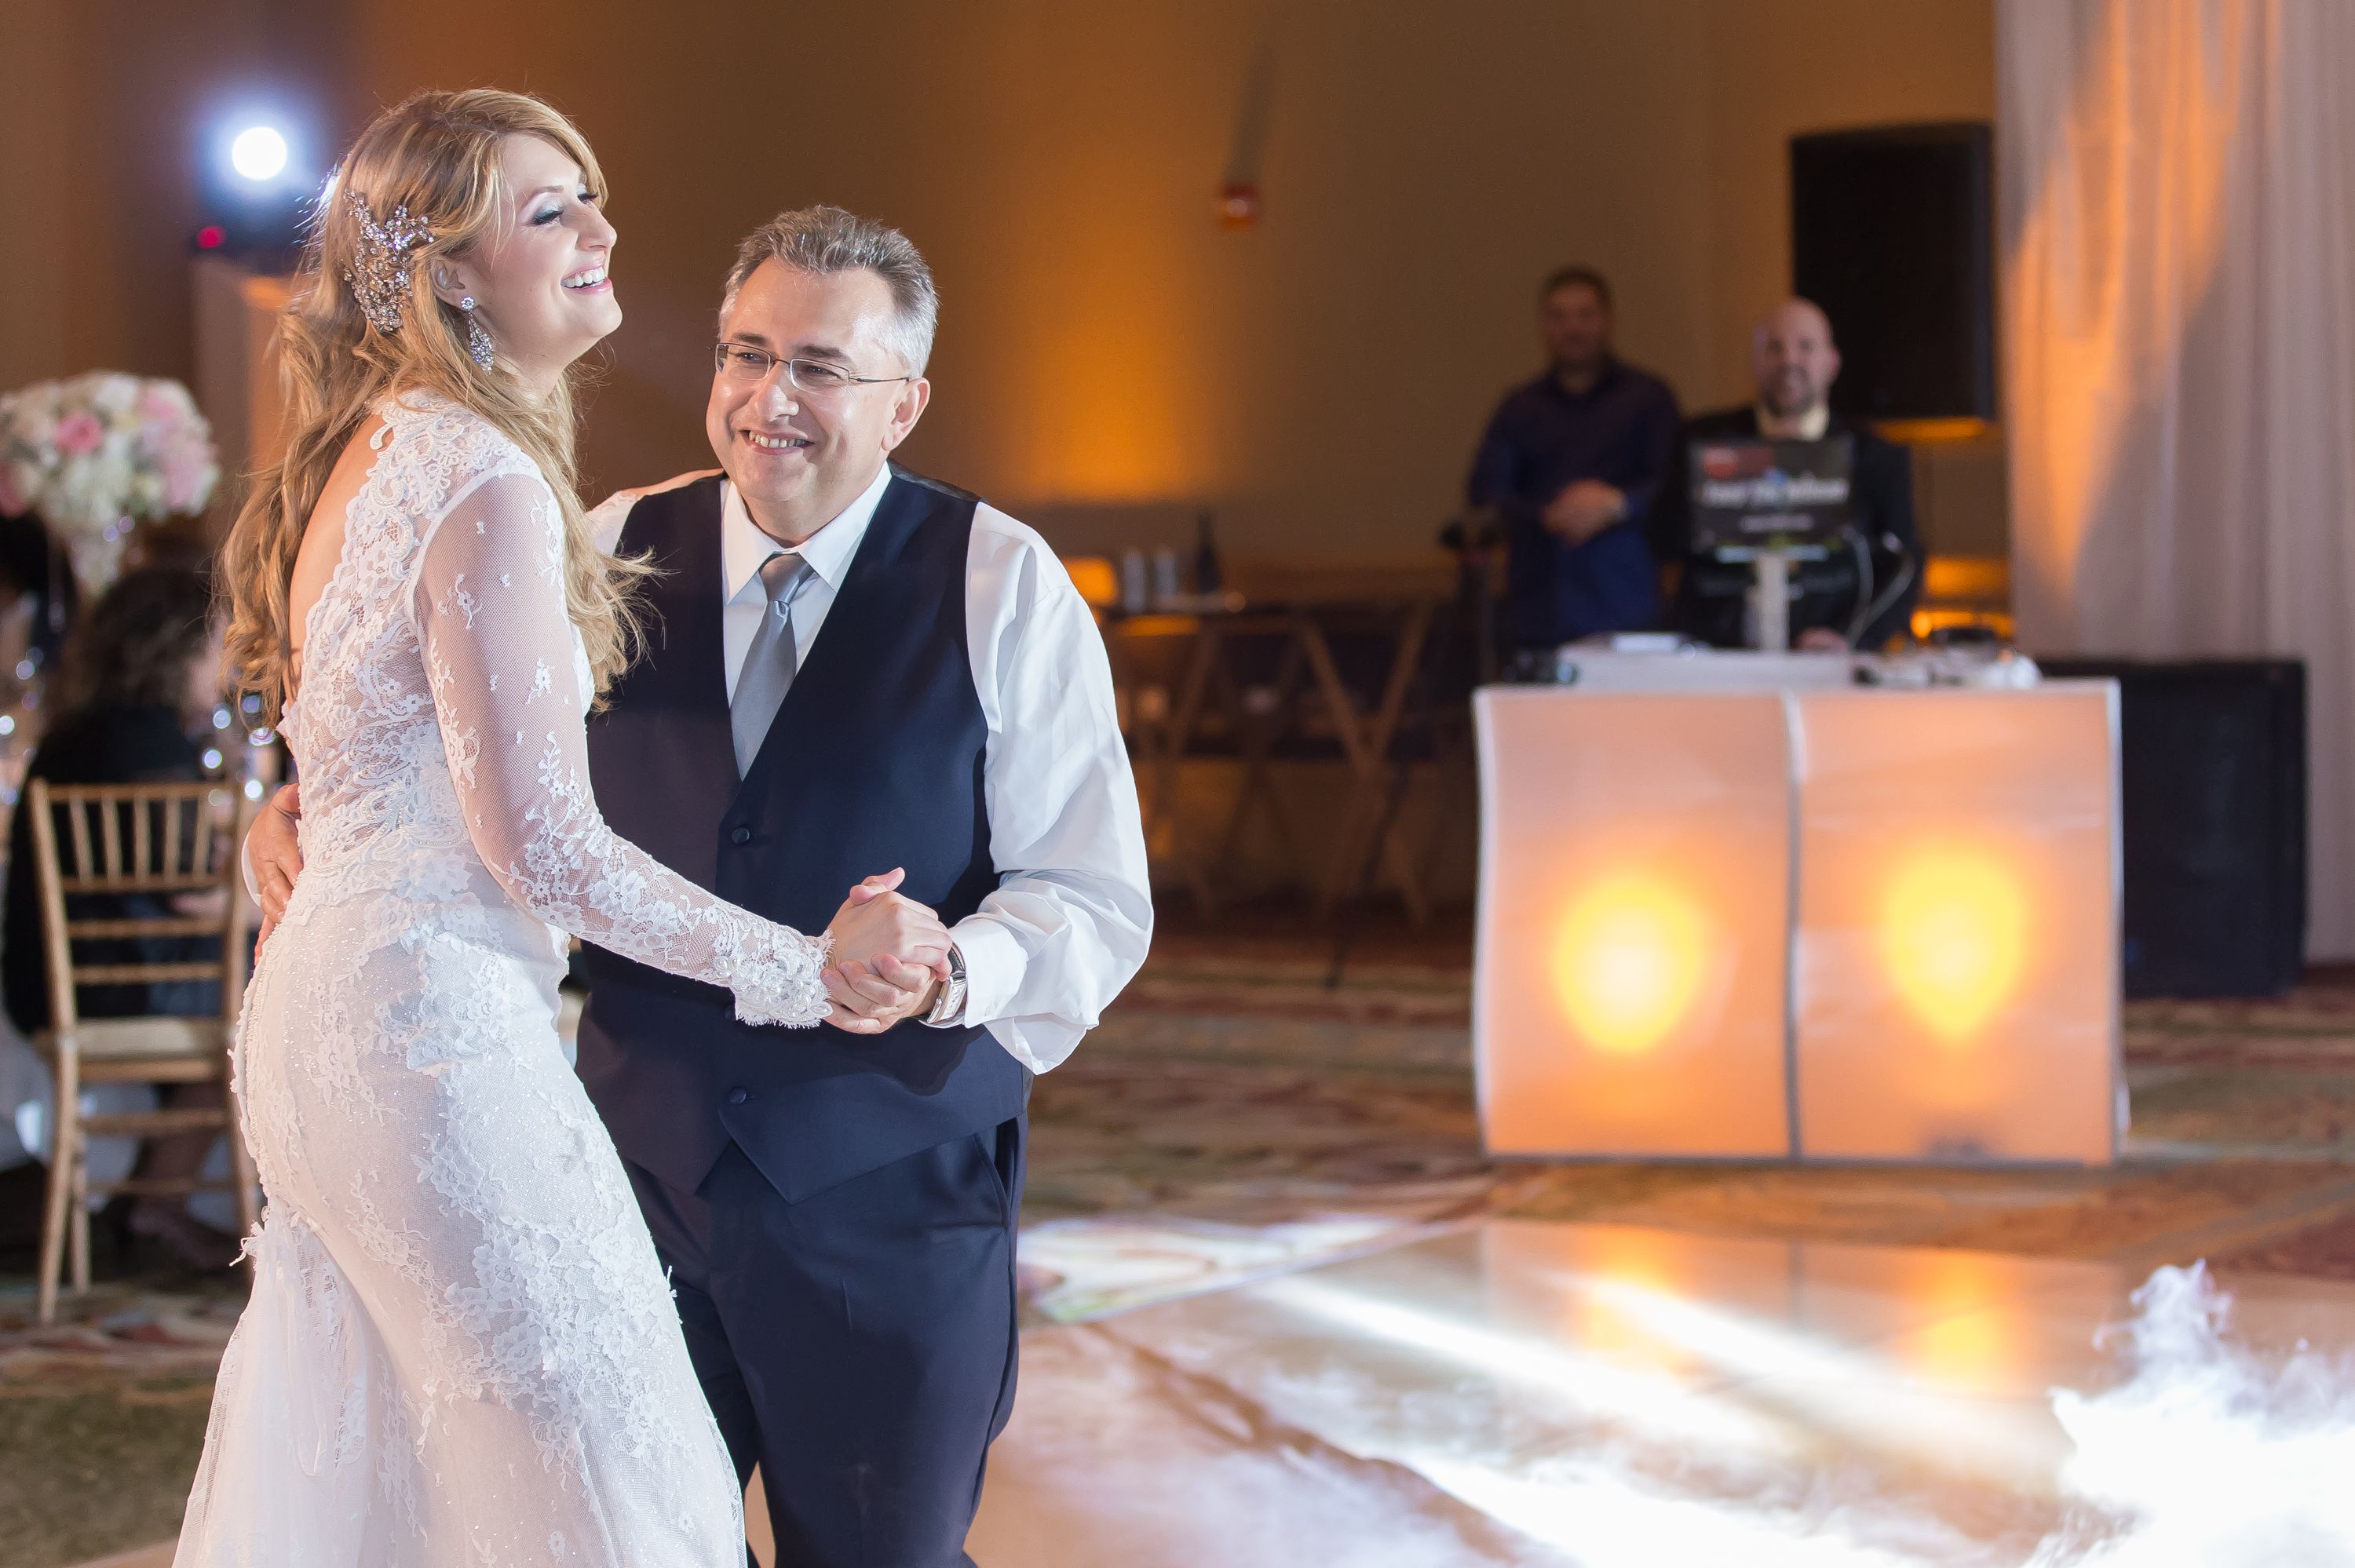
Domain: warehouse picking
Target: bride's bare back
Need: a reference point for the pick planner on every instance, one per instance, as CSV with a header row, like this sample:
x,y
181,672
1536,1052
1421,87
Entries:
x,y
323,540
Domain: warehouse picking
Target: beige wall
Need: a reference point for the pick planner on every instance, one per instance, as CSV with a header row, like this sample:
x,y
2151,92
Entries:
x,y
1109,356
102,102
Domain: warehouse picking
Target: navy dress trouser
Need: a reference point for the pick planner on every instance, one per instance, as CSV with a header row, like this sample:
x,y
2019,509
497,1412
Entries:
x,y
859,1344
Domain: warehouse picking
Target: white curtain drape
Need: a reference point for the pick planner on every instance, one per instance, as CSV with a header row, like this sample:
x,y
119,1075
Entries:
x,y
2178,189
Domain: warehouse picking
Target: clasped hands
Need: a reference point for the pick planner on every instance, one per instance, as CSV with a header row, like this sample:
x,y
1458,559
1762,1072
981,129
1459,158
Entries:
x,y
1585,508
890,956
890,953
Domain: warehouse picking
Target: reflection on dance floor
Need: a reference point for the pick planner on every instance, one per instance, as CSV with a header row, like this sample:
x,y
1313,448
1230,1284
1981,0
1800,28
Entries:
x,y
1527,1392
1535,1395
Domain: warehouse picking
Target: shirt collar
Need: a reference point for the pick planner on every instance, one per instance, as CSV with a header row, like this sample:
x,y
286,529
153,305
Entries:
x,y
1810,426
743,545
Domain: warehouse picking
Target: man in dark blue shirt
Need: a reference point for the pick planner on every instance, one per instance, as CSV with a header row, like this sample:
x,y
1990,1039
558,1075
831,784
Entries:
x,y
1572,462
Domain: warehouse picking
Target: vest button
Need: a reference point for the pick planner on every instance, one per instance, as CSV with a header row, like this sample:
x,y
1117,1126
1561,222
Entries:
x,y
739,836
738,1097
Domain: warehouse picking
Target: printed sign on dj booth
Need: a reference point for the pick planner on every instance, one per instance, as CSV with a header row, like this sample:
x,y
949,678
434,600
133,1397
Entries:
x,y
1752,494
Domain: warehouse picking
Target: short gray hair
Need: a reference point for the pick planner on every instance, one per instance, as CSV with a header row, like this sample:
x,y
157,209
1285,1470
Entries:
x,y
827,240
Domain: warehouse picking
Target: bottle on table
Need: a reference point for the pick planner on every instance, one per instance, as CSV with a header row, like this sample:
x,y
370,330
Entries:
x,y
1207,577
1134,589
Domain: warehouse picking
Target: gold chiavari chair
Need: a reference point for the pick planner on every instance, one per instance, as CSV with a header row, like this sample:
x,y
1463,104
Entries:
x,y
159,841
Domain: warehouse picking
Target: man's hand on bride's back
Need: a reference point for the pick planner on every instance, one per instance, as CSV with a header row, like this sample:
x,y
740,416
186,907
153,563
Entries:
x,y
275,855
889,953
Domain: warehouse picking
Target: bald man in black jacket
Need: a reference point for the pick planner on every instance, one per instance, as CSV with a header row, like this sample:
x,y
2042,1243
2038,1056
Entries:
x,y
1795,360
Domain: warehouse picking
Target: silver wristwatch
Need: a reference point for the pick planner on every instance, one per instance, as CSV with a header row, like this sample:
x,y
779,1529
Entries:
x,y
949,1006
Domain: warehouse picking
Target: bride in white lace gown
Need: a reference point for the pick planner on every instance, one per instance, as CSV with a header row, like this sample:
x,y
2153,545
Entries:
x,y
460,1349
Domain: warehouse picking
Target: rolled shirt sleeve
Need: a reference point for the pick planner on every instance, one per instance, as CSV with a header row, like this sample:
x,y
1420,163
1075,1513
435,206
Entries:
x,y
1072,916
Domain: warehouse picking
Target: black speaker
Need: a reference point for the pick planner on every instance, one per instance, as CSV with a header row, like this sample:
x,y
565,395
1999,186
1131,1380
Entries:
x,y
2213,773
1892,233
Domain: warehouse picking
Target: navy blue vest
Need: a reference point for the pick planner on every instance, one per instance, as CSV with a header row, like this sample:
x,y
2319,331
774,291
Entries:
x,y
875,760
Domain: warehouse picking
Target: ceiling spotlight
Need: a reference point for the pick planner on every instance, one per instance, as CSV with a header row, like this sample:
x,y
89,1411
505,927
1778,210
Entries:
x,y
258,153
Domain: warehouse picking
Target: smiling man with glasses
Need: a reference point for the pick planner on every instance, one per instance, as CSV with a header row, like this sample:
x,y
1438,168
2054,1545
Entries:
x,y
817,376
851,661
849,666
745,362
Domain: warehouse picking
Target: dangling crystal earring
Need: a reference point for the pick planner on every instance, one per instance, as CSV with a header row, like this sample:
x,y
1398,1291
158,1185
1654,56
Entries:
x,y
478,339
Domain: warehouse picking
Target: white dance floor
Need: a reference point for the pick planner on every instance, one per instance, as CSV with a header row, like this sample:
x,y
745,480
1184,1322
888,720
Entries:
x,y
1536,1394
1526,1392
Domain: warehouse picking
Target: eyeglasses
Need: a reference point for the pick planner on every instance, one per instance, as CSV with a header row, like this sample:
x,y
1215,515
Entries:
x,y
743,361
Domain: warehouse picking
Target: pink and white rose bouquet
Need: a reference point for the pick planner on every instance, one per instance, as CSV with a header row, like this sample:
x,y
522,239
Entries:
x,y
93,454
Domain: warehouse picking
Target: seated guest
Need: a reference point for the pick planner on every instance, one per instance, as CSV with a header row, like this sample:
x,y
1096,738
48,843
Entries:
x,y
34,570
1571,462
142,670
1795,362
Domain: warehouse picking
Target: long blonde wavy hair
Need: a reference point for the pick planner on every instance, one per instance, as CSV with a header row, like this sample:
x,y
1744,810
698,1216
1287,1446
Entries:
x,y
438,156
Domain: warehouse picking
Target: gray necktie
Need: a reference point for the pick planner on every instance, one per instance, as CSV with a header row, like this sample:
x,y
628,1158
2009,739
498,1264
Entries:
x,y
768,663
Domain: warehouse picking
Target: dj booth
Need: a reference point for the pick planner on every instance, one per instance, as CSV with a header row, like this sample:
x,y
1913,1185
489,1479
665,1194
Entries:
x,y
1737,907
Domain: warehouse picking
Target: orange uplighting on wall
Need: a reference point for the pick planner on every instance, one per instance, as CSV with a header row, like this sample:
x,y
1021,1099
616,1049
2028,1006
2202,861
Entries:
x,y
1129,426
1978,580
1928,432
1953,927
1629,960
1095,379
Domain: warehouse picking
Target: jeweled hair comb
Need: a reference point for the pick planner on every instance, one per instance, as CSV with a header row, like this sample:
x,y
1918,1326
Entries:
x,y
379,278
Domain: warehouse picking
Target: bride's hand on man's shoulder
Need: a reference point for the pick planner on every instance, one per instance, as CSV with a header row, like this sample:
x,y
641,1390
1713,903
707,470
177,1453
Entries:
x,y
640,492
609,516
890,952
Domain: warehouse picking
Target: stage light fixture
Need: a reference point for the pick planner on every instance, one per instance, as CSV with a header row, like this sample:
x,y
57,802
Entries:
x,y
254,180
258,154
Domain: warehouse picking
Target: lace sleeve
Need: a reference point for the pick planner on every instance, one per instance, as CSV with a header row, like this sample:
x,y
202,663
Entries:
x,y
500,655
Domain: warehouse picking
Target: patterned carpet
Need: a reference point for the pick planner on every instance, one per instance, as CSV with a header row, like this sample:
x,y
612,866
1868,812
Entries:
x,y
1234,1113
1232,1083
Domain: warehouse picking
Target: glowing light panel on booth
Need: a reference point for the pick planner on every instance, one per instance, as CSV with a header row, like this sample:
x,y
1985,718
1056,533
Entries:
x,y
1957,927
1630,959
1630,982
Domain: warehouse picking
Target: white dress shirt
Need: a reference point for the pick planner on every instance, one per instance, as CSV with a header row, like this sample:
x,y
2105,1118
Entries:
x,y
1069,922
743,547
